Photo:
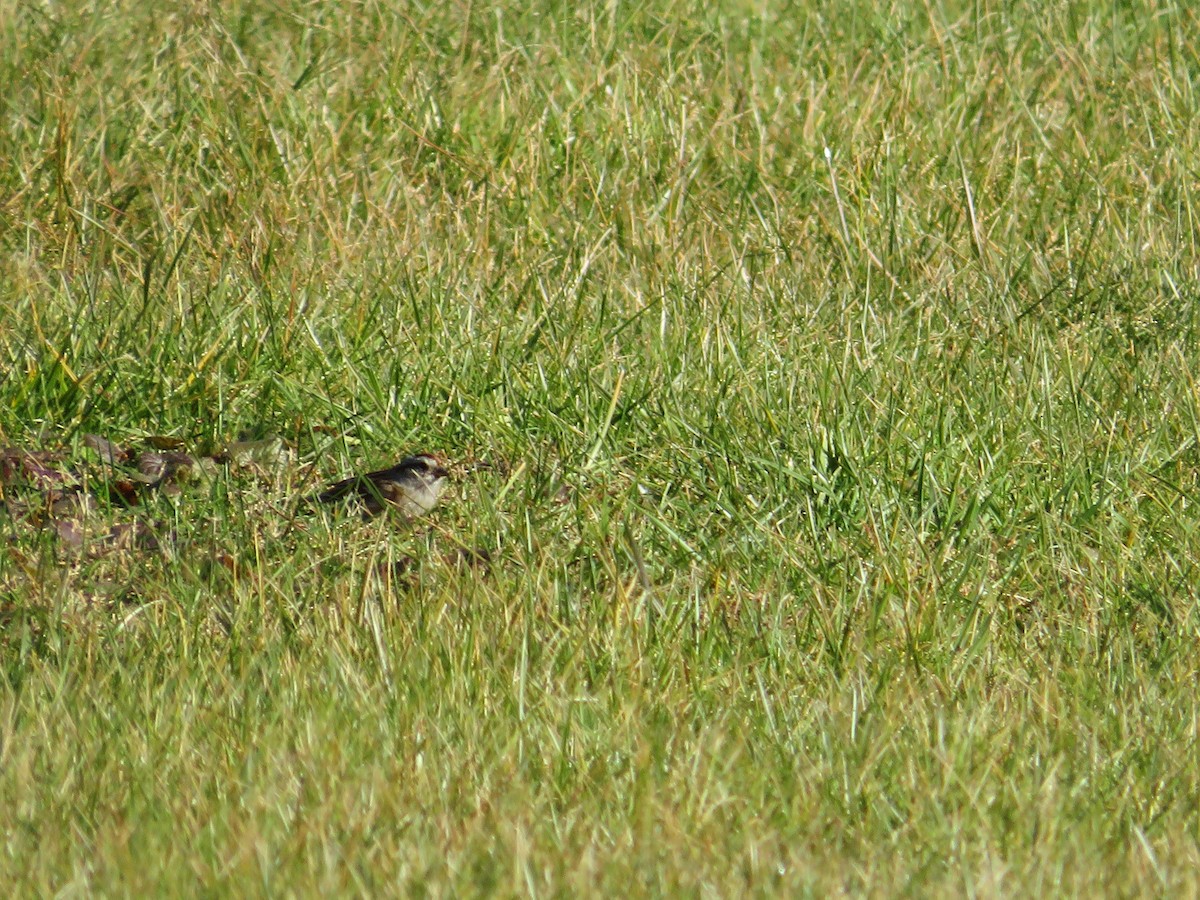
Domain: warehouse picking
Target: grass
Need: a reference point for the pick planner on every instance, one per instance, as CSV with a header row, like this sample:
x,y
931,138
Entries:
x,y
838,365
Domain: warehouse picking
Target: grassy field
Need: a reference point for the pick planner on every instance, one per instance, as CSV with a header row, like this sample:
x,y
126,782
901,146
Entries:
x,y
836,365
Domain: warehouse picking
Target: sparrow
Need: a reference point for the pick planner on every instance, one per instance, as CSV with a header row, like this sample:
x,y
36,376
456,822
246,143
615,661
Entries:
x,y
413,486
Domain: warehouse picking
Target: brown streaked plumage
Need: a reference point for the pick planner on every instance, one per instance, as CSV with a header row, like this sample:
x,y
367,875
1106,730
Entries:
x,y
412,486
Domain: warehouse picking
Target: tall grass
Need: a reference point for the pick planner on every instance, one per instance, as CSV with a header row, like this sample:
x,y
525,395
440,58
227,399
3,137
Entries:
x,y
836,366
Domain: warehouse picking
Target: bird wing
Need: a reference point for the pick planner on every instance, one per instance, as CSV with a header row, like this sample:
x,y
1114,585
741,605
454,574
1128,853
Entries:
x,y
340,490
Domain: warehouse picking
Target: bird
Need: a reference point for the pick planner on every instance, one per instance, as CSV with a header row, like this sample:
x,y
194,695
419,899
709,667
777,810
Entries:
x,y
412,486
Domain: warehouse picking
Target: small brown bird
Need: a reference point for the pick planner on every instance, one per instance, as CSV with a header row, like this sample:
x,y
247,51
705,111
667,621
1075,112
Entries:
x,y
413,486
